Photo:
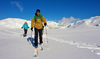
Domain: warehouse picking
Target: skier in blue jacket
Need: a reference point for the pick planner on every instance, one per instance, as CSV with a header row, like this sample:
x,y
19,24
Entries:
x,y
25,26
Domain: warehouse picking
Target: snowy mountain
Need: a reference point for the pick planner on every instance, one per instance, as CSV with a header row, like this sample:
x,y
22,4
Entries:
x,y
93,21
53,25
13,22
17,23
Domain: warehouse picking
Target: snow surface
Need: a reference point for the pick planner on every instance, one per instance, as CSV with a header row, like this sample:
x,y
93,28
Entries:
x,y
81,40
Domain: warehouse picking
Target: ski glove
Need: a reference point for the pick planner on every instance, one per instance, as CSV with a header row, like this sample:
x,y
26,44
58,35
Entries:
x,y
21,27
45,24
31,28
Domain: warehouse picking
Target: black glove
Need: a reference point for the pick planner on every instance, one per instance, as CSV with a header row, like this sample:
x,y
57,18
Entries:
x,y
45,24
21,27
31,28
28,27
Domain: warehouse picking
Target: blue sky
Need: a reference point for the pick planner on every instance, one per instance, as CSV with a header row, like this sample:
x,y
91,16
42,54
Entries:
x,y
51,9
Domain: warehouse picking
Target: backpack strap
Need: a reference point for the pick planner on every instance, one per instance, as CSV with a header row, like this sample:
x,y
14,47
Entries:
x,y
41,18
36,18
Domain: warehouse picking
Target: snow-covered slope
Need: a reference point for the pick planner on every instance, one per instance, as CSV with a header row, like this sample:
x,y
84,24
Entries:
x,y
53,25
13,22
17,23
93,21
76,24
73,43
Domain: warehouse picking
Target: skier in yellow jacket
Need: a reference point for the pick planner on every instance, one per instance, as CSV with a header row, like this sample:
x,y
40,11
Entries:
x,y
37,24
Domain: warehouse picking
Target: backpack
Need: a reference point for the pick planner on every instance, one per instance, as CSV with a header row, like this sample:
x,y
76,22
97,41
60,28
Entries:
x,y
41,20
36,18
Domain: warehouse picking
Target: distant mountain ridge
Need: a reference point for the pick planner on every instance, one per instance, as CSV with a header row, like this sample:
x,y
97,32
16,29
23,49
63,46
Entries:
x,y
93,21
17,23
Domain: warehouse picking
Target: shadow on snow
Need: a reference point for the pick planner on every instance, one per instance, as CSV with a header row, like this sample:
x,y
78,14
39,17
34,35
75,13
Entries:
x,y
32,40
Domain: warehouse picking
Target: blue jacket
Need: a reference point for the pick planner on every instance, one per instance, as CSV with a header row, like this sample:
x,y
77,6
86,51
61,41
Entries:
x,y
25,26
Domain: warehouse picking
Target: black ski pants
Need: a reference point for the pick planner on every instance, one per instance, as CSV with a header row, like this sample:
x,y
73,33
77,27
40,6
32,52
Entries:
x,y
38,31
25,31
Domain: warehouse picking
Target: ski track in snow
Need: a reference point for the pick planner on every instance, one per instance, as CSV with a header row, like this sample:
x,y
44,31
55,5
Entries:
x,y
92,47
8,32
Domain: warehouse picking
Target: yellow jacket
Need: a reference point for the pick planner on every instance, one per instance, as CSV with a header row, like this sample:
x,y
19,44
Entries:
x,y
37,23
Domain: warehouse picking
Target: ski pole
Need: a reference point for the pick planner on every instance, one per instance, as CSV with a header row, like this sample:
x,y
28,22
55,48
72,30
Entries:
x,y
46,34
31,36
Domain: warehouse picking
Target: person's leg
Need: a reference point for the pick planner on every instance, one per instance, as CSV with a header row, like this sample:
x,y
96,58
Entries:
x,y
25,31
40,35
36,37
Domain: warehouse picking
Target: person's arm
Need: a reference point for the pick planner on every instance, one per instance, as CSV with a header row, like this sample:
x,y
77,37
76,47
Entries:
x,y
27,26
43,19
23,25
45,22
32,22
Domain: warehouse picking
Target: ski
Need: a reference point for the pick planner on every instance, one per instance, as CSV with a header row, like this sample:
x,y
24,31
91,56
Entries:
x,y
36,53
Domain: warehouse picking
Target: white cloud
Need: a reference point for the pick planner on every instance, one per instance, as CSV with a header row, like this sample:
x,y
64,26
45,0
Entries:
x,y
66,21
18,4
